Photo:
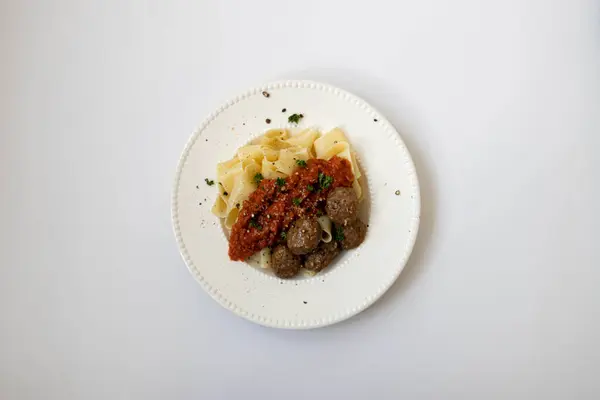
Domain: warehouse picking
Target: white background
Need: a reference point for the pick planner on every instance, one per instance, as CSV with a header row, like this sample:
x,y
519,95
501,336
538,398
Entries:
x,y
498,101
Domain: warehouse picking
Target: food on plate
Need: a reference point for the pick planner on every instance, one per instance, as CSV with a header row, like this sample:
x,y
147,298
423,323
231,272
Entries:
x,y
285,264
326,228
292,194
342,205
295,118
304,235
352,234
322,256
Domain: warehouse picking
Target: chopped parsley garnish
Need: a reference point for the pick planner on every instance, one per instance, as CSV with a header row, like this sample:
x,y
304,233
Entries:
x,y
296,201
319,213
338,234
209,182
295,118
301,163
325,180
258,178
283,235
310,188
254,224
280,182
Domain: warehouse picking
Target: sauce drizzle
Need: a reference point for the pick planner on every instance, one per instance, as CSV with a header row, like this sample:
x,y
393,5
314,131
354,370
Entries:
x,y
272,207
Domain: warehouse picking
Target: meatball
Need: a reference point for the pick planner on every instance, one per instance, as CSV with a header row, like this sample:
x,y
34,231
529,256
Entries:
x,y
342,205
284,263
352,235
322,256
304,236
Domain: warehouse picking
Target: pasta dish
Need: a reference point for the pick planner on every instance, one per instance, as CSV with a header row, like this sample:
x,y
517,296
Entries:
x,y
291,201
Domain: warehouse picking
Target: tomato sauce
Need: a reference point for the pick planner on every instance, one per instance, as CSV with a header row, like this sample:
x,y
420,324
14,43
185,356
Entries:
x,y
272,207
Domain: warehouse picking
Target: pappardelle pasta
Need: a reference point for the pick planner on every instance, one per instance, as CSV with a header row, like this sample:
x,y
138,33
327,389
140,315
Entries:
x,y
291,201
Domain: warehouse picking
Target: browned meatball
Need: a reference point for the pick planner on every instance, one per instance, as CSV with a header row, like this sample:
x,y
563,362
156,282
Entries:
x,y
351,235
322,256
304,236
284,263
342,205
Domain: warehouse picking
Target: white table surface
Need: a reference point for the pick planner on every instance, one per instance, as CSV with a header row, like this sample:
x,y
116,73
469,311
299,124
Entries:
x,y
498,101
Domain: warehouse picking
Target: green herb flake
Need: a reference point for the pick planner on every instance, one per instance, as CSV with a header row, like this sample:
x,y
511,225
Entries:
x,y
301,163
254,224
258,178
296,201
310,188
283,235
338,234
209,182
280,182
325,180
295,118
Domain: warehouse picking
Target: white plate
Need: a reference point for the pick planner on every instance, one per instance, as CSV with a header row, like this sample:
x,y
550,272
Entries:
x,y
357,278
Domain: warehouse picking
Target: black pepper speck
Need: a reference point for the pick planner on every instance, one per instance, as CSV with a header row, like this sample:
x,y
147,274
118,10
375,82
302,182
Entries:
x,y
268,121
375,119
305,302
266,94
284,110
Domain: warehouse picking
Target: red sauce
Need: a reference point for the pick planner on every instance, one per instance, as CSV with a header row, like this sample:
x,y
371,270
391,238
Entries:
x,y
271,208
